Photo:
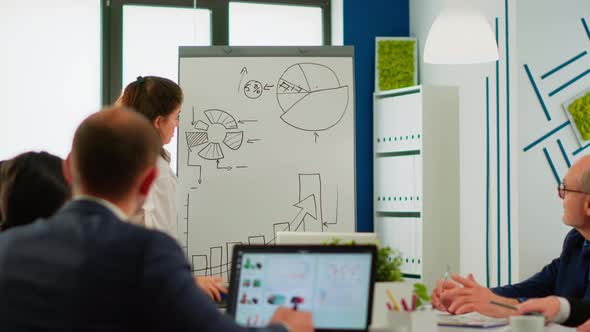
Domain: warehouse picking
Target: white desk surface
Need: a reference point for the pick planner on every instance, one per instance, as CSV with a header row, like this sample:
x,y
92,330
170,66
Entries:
x,y
550,328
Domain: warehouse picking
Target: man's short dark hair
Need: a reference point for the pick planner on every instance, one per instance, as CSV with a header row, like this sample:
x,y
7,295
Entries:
x,y
111,149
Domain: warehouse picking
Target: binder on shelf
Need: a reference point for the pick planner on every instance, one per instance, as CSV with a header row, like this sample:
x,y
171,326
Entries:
x,y
400,120
399,188
400,235
425,169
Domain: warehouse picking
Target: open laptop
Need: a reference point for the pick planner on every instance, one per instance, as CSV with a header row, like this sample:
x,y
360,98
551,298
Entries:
x,y
324,237
334,283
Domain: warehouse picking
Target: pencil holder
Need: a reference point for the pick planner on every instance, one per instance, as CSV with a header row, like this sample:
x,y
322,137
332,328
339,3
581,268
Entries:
x,y
400,289
415,321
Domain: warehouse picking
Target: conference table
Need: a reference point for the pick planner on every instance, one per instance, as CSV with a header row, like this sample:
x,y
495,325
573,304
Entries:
x,y
549,328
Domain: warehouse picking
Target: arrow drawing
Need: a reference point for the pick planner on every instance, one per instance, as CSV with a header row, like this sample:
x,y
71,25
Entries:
x,y
188,163
316,136
244,72
336,219
307,206
252,140
193,120
245,121
224,167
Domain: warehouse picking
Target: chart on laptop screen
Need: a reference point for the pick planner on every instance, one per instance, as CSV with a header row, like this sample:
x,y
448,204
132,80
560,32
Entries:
x,y
334,287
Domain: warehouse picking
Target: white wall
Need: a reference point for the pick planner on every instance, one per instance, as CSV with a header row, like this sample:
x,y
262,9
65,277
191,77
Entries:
x,y
471,80
542,34
543,46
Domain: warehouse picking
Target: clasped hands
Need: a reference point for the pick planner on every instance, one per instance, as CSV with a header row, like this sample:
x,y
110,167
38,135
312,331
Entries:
x,y
463,295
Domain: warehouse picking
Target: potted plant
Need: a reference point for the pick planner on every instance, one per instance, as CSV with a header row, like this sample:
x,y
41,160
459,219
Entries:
x,y
389,282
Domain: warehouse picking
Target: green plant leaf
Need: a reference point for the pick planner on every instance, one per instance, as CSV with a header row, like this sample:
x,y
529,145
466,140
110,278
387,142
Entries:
x,y
421,292
389,264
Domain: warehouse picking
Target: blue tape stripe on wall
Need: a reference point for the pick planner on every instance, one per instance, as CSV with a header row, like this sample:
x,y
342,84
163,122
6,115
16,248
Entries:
x,y
508,203
551,165
499,268
581,149
563,65
567,159
586,27
570,82
487,182
537,92
544,137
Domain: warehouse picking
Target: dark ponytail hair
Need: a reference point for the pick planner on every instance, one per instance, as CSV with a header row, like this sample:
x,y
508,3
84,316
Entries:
x,y
153,96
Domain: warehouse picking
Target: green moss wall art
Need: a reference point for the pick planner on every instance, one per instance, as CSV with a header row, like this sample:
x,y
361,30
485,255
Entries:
x,y
396,63
578,112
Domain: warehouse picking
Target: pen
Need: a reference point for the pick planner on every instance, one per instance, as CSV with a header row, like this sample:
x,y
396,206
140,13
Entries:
x,y
446,276
393,301
405,305
504,305
507,306
414,300
389,307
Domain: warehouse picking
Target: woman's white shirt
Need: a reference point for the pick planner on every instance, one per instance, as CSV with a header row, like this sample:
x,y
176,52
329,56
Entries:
x,y
159,209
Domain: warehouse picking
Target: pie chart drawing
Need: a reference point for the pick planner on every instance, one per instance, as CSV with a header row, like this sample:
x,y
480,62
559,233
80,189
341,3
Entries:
x,y
209,137
311,97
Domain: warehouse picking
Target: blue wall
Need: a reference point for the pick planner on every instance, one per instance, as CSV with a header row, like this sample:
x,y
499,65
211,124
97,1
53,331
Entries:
x,y
363,21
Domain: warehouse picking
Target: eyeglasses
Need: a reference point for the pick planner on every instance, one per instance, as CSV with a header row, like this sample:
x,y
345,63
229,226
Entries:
x,y
561,189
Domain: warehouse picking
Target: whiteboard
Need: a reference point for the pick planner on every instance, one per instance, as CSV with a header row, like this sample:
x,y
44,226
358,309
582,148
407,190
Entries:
x,y
266,143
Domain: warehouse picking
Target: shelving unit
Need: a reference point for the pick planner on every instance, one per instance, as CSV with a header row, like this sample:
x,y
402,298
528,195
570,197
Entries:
x,y
416,178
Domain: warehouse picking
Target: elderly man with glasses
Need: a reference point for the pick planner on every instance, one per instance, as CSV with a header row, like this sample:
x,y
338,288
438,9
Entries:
x,y
566,276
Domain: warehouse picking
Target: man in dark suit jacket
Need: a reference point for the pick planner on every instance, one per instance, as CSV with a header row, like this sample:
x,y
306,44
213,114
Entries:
x,y
566,276
85,270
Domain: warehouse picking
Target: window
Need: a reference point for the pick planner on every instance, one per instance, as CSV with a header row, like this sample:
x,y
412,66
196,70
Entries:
x,y
277,22
142,36
262,24
54,74
50,72
151,36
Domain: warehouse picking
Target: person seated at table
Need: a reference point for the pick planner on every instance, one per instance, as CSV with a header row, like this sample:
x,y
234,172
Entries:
x,y
565,276
33,187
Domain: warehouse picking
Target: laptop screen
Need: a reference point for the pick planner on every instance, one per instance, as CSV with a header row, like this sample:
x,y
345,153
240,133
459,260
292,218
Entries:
x,y
333,283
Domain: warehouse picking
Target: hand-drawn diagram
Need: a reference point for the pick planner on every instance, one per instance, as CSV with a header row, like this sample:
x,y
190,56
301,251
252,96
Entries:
x,y
309,217
311,97
209,137
253,89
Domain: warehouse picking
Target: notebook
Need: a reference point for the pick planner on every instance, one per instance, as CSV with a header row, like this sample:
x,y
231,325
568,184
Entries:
x,y
472,319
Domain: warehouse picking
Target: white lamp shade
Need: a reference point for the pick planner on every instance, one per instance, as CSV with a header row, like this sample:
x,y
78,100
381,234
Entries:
x,y
460,36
